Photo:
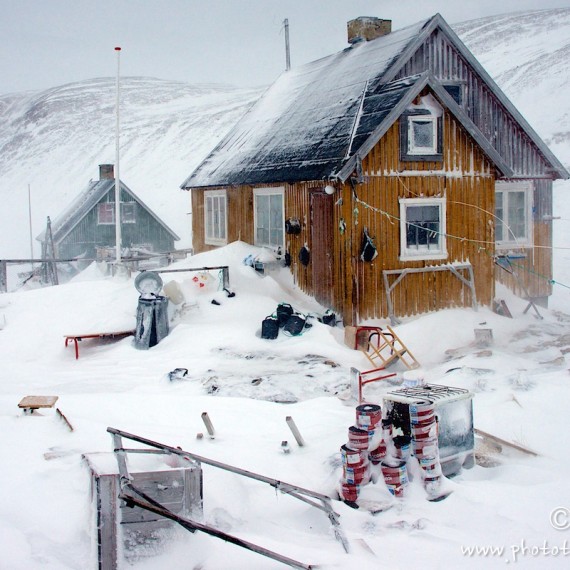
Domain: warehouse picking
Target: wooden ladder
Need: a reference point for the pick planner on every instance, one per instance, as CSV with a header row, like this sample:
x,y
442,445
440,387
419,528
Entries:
x,y
385,347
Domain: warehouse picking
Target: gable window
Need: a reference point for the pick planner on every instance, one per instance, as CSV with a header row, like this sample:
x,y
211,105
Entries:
x,y
215,217
422,134
421,131
128,213
269,217
456,91
513,207
106,213
422,229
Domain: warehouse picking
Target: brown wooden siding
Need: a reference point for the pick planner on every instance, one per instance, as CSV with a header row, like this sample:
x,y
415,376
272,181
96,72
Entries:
x,y
492,118
466,179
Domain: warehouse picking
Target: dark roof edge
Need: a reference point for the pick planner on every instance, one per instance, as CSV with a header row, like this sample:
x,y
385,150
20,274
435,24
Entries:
x,y
425,79
438,21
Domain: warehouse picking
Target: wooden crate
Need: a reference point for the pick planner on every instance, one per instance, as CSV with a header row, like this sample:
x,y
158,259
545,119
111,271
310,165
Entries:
x,y
132,532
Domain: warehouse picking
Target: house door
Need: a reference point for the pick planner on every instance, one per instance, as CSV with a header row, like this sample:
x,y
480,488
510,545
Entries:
x,y
322,247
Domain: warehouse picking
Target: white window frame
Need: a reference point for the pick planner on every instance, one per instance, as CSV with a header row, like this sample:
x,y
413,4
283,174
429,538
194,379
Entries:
x,y
412,148
215,229
279,191
509,241
415,254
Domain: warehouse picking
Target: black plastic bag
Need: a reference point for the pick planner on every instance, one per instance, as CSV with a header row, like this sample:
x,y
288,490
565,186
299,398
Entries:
x,y
295,324
270,327
368,251
284,311
304,256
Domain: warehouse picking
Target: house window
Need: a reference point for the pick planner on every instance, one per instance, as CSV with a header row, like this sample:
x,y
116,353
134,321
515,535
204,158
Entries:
x,y
456,92
513,207
106,213
421,134
269,217
128,212
215,217
422,228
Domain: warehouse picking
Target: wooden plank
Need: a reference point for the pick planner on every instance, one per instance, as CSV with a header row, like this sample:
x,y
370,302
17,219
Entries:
x,y
36,402
505,442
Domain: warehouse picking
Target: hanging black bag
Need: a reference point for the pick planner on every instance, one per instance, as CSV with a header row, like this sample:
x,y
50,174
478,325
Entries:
x,y
304,255
284,311
270,327
295,324
368,251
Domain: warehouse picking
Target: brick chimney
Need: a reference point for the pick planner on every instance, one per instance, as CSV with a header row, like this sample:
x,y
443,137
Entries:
x,y
366,28
106,172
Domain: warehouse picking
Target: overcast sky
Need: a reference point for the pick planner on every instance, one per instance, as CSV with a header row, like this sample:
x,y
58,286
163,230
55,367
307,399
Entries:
x,y
47,43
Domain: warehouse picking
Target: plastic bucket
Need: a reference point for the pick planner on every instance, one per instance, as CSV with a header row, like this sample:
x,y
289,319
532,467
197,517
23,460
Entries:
x,y
425,448
358,438
368,416
395,475
349,492
351,457
376,455
356,476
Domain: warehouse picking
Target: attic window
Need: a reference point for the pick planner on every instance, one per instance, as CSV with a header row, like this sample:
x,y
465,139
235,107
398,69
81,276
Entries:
x,y
421,136
128,213
106,213
456,92
422,229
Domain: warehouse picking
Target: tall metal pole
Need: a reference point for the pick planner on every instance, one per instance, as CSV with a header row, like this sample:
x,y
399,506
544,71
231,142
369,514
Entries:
x,y
30,221
287,50
118,237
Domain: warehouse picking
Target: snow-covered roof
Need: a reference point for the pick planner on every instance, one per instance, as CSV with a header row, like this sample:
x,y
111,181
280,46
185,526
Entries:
x,y
85,202
316,118
309,121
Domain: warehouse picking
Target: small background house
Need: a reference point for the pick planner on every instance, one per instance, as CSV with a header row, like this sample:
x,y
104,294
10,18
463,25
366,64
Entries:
x,y
402,139
88,225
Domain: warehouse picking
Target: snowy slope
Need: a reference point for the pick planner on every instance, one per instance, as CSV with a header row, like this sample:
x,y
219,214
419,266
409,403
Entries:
x,y
55,140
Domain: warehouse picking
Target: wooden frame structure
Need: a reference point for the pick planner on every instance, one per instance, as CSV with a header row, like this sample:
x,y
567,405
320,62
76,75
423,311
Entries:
x,y
401,273
130,493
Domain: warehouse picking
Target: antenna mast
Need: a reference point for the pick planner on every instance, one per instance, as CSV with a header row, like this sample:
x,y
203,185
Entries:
x,y
118,237
287,49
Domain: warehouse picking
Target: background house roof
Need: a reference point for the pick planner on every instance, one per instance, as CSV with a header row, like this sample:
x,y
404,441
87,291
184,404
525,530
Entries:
x,y
85,202
313,120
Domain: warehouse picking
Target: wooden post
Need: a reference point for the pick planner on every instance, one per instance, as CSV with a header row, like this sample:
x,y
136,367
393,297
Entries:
x,y
208,424
295,431
3,277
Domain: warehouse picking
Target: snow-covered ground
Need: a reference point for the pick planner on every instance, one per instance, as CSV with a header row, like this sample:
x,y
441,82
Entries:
x,y
248,386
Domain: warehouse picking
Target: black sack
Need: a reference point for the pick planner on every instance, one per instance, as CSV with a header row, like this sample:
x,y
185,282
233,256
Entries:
x,y
270,327
295,324
368,251
284,311
304,256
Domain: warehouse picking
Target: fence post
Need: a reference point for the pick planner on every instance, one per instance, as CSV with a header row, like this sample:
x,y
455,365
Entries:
x,y
3,277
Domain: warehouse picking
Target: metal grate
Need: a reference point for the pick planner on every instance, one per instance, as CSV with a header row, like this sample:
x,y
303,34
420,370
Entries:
x,y
428,393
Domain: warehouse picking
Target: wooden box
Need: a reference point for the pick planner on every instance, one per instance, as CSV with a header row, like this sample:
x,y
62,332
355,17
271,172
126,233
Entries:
x,y
132,532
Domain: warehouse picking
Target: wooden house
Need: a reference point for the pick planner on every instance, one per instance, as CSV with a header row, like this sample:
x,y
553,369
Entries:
x,y
89,222
402,140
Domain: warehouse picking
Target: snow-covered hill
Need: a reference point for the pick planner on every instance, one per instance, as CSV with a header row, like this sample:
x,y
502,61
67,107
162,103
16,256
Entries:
x,y
54,140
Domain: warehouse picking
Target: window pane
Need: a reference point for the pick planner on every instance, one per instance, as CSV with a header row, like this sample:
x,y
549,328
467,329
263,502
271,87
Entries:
x,y
269,219
422,227
499,219
516,214
222,218
422,134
